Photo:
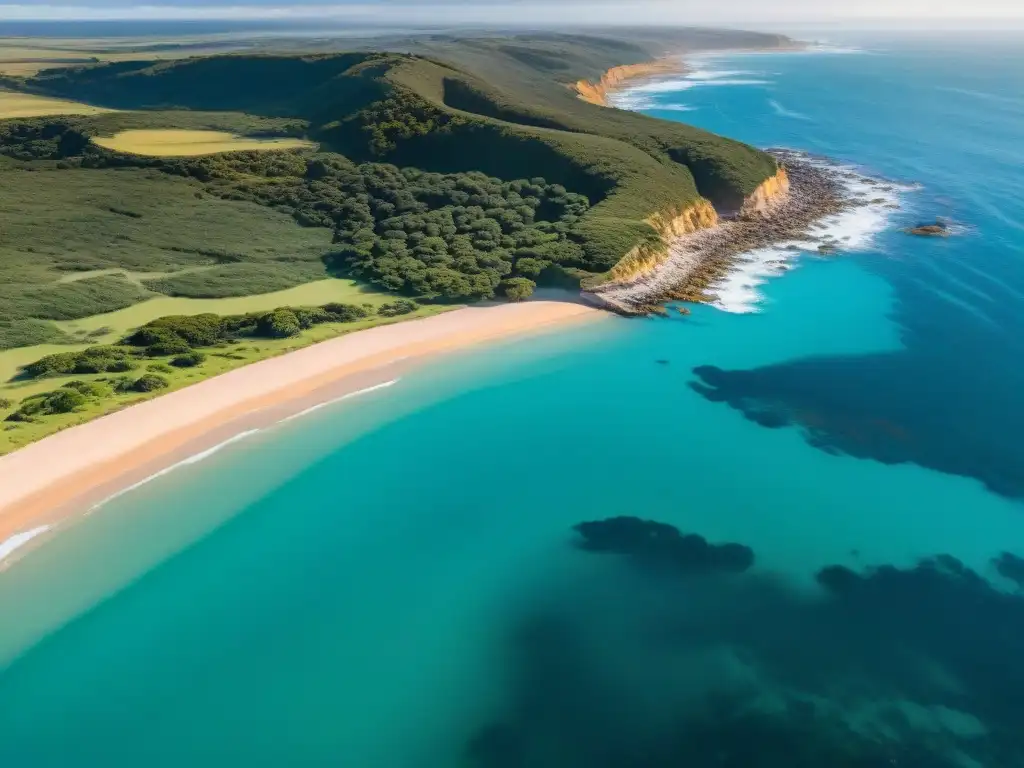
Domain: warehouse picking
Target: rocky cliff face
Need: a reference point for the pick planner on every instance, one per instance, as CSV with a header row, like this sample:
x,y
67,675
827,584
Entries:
x,y
767,197
597,93
646,257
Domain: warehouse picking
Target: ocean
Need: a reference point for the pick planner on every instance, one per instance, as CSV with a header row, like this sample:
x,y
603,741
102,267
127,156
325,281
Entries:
x,y
394,580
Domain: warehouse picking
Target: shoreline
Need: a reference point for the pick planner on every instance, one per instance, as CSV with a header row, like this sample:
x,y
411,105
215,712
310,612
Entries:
x,y
66,475
624,76
698,259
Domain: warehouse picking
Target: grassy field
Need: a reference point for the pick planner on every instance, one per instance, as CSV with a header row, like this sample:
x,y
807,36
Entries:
x,y
23,57
82,242
178,143
21,105
16,435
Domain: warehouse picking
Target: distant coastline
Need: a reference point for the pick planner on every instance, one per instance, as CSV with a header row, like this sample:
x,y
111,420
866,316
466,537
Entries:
x,y
626,75
53,480
786,214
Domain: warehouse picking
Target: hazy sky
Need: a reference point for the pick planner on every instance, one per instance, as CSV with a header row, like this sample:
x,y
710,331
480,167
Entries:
x,y
523,12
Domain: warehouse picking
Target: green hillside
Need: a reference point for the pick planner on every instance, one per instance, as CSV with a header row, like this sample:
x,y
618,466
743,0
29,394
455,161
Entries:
x,y
443,171
443,174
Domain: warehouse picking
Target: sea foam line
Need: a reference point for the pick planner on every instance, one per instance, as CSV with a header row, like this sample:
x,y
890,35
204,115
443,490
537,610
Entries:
x,y
347,396
851,230
195,458
18,540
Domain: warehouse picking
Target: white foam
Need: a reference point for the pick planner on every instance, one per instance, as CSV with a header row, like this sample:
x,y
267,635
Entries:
x,y
183,463
18,540
781,110
348,396
688,82
851,230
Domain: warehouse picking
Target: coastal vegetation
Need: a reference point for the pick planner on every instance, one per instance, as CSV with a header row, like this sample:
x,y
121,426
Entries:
x,y
169,353
422,172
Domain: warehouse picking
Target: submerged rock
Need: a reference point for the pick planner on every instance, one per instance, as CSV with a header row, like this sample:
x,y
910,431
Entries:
x,y
661,544
938,229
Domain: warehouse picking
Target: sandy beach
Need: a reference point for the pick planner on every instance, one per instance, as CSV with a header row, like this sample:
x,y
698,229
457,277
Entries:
x,y
65,474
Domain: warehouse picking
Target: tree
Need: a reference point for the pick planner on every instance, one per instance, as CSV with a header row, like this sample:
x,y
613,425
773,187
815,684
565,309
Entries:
x,y
518,288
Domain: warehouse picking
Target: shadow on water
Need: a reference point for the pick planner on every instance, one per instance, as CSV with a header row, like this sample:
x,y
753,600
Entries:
x,y
949,401
714,666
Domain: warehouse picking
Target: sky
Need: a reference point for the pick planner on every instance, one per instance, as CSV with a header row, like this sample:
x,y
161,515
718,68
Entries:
x,y
523,12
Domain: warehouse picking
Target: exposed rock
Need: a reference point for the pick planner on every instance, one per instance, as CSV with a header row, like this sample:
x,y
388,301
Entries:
x,y
938,229
616,77
697,259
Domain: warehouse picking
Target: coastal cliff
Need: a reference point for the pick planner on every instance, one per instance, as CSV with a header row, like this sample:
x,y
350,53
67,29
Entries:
x,y
646,257
767,197
597,93
781,209
669,267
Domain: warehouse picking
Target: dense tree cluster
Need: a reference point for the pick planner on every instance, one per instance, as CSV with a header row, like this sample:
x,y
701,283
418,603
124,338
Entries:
x,y
439,236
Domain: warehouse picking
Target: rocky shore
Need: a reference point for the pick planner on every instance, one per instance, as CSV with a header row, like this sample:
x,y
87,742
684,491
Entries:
x,y
817,189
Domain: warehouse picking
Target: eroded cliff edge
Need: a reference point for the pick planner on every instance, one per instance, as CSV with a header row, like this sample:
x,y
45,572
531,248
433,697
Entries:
x,y
689,262
616,77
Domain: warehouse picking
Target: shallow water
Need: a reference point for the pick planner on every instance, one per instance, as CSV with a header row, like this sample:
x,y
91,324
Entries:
x,y
377,581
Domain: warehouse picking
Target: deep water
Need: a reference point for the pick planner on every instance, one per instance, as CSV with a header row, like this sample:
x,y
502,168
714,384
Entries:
x,y
395,581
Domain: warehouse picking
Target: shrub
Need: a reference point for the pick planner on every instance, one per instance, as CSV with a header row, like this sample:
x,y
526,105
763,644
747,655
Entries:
x,y
150,382
344,313
99,359
165,348
397,307
195,330
159,368
279,324
518,288
123,384
5,403
65,400
189,360
90,388
309,316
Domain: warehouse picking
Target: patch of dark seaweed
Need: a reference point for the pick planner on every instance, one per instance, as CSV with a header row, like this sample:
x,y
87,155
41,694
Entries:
x,y
889,407
913,667
1011,567
660,544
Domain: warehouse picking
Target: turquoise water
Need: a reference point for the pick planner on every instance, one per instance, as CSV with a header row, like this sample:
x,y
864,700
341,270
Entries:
x,y
374,584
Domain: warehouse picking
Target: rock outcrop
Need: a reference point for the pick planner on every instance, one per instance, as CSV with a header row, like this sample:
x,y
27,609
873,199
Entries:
x,y
768,196
669,225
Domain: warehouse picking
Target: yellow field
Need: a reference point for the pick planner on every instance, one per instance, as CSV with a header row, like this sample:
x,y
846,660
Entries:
x,y
26,105
174,143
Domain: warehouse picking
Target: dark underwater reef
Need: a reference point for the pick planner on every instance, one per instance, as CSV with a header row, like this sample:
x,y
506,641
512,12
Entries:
x,y
704,664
